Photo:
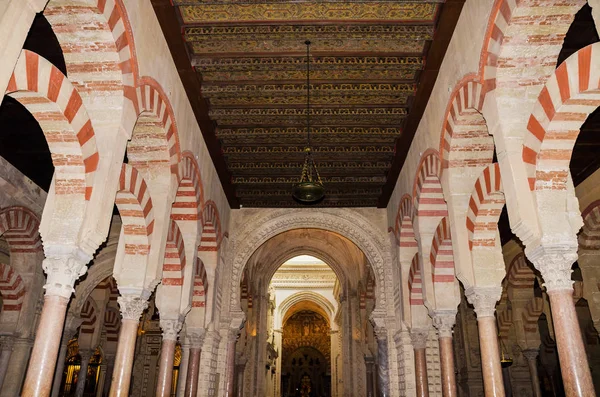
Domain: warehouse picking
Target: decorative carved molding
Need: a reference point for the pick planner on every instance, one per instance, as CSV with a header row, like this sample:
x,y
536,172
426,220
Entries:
x,y
531,354
348,223
419,338
444,321
484,299
63,270
554,263
170,329
132,307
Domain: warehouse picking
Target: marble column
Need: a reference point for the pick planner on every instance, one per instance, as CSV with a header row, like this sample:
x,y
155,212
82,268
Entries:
x,y
62,272
109,359
7,348
484,301
83,367
101,378
239,383
382,360
164,382
419,341
232,336
196,338
132,308
531,356
444,321
555,266
183,365
13,381
370,363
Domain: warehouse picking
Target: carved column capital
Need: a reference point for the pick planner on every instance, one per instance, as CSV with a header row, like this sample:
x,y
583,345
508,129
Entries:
x,y
63,269
7,342
419,338
170,329
554,263
196,337
132,306
444,321
85,355
484,300
381,333
531,354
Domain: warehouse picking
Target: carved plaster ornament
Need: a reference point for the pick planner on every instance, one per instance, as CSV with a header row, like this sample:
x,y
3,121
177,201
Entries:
x,y
132,307
64,270
554,263
444,321
484,300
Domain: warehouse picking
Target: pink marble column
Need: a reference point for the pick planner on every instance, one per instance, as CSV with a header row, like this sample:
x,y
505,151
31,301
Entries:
x,y
131,309
82,377
171,330
484,301
40,373
531,356
577,378
419,341
444,322
191,380
231,341
7,347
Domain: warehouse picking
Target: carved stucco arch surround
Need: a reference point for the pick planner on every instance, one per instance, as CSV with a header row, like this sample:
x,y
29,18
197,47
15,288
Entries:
x,y
347,223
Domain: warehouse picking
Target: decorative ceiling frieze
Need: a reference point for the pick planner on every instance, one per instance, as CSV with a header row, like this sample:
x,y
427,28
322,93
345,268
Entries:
x,y
367,62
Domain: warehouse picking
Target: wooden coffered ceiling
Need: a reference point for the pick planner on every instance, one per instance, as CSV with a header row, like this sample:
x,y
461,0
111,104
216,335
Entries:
x,y
373,65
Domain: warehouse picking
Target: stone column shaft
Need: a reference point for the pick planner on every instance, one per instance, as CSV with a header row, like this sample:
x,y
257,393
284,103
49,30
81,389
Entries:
x,y
419,340
444,322
165,368
82,377
183,368
131,309
7,345
16,370
230,363
484,301
40,373
101,380
60,367
531,356
382,361
191,381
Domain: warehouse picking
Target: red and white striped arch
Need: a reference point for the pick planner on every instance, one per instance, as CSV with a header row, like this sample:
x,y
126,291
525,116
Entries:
x,y
211,231
531,314
112,324
190,195
155,141
589,238
110,285
405,233
174,263
58,107
564,103
97,43
442,255
485,207
19,226
135,207
12,289
427,190
520,274
88,314
465,140
415,282
504,315
200,285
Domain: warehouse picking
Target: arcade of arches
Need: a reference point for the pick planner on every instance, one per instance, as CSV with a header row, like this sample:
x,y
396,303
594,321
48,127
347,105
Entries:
x,y
149,244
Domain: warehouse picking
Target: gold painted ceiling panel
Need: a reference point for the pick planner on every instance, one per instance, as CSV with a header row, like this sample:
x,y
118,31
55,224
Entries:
x,y
366,59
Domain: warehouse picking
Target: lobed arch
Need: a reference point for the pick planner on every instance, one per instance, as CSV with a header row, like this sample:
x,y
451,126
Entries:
x,y
347,223
589,238
570,94
485,207
465,140
58,107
